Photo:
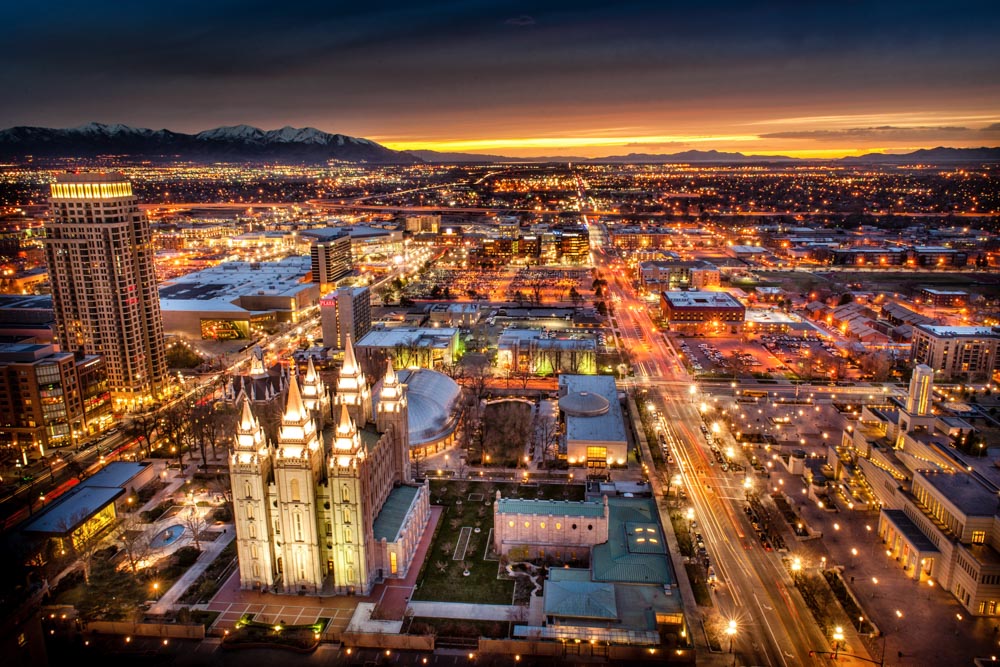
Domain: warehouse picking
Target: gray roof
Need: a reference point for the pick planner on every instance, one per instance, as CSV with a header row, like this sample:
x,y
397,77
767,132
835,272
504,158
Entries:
x,y
73,509
606,427
963,491
910,530
115,474
594,508
390,517
432,400
87,498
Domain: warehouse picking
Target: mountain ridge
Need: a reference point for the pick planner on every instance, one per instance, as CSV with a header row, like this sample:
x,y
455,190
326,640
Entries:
x,y
941,154
310,145
226,143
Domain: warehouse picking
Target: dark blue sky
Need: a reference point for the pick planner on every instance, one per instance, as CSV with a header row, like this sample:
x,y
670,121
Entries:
x,y
539,77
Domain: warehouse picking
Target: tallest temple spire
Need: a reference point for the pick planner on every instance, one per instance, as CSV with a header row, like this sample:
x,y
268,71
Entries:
x,y
352,388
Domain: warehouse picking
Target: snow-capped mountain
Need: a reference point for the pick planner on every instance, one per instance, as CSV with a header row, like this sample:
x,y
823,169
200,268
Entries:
x,y
232,143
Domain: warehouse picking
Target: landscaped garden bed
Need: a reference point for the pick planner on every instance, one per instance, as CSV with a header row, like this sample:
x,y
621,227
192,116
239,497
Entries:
x,y
253,634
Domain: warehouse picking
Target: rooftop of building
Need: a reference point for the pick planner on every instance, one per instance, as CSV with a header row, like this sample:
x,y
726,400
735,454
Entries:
x,y
432,403
701,299
408,337
72,509
29,352
570,508
568,340
948,331
623,558
962,490
944,292
218,287
390,518
570,593
26,301
92,177
322,234
605,427
86,498
909,530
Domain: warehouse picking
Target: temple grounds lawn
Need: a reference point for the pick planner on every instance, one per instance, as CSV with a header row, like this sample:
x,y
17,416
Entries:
x,y
458,548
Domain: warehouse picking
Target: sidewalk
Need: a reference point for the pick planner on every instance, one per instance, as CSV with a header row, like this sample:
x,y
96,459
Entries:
x,y
210,551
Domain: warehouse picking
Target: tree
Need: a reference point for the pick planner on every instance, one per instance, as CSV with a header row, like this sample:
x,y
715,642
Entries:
x,y
142,426
134,539
86,541
545,435
196,522
877,365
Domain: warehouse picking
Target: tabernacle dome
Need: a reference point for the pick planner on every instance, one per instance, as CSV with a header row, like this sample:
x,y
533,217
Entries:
x,y
433,406
584,404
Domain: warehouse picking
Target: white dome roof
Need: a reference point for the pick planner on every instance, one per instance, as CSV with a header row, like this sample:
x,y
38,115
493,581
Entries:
x,y
584,404
432,400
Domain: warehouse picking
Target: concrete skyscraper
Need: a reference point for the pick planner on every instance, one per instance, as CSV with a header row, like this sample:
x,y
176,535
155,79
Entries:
x,y
99,250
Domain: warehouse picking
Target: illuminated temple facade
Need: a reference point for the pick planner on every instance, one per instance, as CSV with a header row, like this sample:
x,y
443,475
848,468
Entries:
x,y
328,518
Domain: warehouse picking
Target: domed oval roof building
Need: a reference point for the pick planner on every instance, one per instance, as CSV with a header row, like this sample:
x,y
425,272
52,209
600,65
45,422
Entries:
x,y
434,408
584,404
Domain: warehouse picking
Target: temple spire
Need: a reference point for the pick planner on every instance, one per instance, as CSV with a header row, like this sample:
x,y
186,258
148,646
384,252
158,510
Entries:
x,y
295,409
350,361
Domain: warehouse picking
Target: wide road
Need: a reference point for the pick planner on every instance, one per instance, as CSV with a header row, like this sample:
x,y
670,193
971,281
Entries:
x,y
755,588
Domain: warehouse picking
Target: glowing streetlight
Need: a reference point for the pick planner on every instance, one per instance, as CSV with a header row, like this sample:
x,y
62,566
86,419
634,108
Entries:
x,y
731,631
838,637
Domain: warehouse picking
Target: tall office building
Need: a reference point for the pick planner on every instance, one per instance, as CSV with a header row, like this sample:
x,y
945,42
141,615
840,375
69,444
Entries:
x,y
100,255
918,400
331,260
345,313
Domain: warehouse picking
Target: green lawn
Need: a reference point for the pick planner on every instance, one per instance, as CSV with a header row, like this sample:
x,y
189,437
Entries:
x,y
442,577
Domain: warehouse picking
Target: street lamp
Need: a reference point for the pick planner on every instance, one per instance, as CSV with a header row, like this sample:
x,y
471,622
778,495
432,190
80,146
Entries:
x,y
838,637
796,568
731,631
156,590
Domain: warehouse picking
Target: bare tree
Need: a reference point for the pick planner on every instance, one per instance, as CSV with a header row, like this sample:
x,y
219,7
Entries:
x,y
86,541
134,539
545,435
196,522
142,426
477,380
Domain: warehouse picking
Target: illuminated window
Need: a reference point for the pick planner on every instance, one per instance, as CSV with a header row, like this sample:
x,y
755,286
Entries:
x,y
252,531
542,524
597,453
246,490
347,515
558,526
979,537
527,524
510,524
345,494
298,526
249,511
392,562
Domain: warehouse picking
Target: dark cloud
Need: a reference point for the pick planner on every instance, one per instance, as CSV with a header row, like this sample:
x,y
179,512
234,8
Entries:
x,y
522,20
383,68
880,133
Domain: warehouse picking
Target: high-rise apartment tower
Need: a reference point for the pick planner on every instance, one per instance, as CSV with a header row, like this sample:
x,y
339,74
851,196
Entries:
x,y
100,255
